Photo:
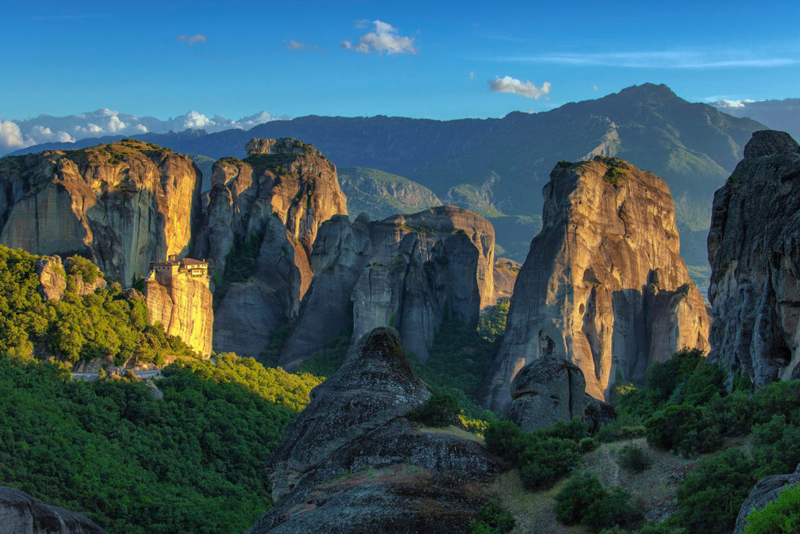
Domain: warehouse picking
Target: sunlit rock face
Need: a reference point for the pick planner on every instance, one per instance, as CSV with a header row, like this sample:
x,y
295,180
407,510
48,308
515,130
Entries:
x,y
178,297
410,272
754,251
122,205
604,285
352,461
276,199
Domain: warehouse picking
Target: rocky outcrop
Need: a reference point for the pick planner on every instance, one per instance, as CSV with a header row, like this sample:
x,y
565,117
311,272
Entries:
x,y
544,391
178,297
22,514
408,271
53,278
603,285
121,205
764,492
274,201
753,251
351,462
505,276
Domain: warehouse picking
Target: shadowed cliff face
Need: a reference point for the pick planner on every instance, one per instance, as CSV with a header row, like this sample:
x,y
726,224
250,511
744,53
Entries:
x,y
20,513
407,271
351,462
280,194
603,285
753,250
122,205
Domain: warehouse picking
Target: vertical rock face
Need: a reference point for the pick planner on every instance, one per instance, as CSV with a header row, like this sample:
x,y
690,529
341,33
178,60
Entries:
x,y
178,297
278,196
122,205
603,285
505,276
544,391
753,249
407,271
352,462
22,514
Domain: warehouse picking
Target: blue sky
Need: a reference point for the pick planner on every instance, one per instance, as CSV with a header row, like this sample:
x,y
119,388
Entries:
x,y
431,59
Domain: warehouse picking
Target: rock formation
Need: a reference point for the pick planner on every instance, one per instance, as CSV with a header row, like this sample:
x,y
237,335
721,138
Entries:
x,y
122,205
53,278
351,462
408,271
274,201
764,492
603,285
22,514
178,297
755,261
546,390
505,276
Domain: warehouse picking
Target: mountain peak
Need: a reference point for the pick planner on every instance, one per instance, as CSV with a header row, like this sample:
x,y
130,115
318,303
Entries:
x,y
648,91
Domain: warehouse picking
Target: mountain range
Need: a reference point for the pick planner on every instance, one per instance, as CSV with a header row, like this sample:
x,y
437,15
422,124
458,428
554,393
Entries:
x,y
497,167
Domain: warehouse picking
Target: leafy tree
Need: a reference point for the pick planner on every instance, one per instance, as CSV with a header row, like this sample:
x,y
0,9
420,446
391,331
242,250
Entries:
x,y
781,516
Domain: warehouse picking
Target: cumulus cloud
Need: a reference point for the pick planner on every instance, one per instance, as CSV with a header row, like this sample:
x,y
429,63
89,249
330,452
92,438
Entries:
x,y
301,46
196,38
384,40
16,135
507,84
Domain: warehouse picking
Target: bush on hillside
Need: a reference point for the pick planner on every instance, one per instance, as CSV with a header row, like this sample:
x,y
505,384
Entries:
x,y
439,410
493,518
634,459
781,516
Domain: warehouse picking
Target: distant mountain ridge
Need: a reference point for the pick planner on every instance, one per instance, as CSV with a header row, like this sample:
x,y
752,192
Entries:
x,y
497,167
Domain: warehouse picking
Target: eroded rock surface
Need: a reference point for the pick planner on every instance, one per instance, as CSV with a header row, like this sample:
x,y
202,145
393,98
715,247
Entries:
x,y
603,285
408,271
764,492
121,205
505,276
544,391
53,279
351,462
754,251
22,514
276,199
178,297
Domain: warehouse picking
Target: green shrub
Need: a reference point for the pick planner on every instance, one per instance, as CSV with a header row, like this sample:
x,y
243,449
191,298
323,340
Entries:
x,y
587,445
634,459
80,266
493,518
439,410
613,510
712,494
546,461
574,499
776,446
575,429
781,516
506,440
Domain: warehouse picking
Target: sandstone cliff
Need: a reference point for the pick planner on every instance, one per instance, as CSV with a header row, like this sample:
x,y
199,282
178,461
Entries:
x,y
53,278
22,514
407,271
603,285
277,198
121,205
753,251
351,462
178,297
505,276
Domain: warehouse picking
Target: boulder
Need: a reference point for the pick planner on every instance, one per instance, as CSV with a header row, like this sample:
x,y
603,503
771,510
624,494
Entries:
x,y
544,391
22,514
764,492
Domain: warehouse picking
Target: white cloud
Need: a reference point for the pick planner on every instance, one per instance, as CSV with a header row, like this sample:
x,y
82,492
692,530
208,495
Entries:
x,y
196,38
384,40
507,84
15,135
731,104
664,59
472,75
11,137
301,46
596,89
